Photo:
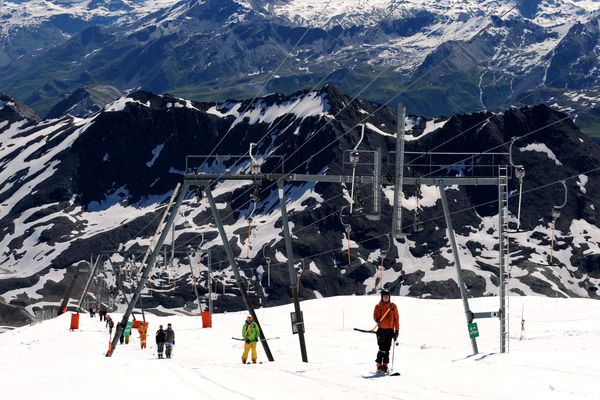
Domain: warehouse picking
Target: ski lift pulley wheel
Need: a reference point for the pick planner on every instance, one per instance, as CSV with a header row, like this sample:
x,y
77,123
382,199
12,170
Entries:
x,y
354,157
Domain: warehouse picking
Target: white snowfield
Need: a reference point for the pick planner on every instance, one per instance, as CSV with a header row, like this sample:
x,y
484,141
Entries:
x,y
556,359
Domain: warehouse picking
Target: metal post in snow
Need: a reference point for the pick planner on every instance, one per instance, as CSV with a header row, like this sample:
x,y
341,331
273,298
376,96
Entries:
x,y
151,261
292,272
236,271
461,283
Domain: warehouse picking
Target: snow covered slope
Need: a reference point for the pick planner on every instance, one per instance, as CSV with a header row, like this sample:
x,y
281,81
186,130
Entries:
x,y
556,359
75,187
30,13
352,12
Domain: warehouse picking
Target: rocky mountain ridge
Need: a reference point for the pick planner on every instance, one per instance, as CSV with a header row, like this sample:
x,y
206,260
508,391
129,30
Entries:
x,y
79,187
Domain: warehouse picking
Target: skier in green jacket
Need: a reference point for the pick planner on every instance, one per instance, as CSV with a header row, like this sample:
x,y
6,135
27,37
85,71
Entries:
x,y
250,333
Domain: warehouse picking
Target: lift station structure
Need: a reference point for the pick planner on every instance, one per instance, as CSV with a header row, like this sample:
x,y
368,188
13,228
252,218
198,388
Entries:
x,y
496,171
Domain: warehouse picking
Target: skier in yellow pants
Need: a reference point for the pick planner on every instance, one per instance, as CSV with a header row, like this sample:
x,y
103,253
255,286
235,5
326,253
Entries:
x,y
250,333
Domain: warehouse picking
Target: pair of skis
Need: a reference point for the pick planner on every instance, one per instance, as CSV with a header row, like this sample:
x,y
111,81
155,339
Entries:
x,y
373,375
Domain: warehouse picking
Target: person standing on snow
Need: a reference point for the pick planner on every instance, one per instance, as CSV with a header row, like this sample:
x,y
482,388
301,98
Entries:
x,y
388,323
111,324
143,331
161,337
250,333
170,340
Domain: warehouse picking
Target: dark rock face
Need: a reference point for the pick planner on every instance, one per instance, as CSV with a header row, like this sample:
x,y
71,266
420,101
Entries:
x,y
12,110
95,185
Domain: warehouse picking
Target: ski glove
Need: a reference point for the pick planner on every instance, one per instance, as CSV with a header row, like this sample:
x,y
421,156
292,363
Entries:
x,y
378,322
173,343
248,341
396,335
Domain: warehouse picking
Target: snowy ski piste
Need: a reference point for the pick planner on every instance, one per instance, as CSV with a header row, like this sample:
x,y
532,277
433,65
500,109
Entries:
x,y
558,356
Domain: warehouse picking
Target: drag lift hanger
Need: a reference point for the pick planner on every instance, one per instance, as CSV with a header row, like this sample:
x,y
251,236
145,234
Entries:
x,y
519,174
268,261
555,216
354,159
417,223
382,258
348,230
254,197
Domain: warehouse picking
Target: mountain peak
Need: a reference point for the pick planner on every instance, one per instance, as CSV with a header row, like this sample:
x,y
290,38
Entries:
x,y
85,101
13,110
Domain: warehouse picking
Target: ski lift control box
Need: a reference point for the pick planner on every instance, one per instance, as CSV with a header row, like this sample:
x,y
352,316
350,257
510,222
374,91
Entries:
x,y
297,324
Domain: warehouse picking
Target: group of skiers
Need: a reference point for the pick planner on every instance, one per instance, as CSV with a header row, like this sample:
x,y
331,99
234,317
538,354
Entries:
x,y
165,340
385,315
102,313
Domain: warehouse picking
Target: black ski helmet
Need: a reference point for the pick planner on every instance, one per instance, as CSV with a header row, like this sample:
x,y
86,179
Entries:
x,y
384,292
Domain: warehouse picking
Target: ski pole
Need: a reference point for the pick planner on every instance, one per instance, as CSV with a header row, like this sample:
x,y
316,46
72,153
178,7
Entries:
x,y
393,354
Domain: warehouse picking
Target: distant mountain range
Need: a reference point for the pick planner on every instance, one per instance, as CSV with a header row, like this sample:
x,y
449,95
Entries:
x,y
426,54
73,187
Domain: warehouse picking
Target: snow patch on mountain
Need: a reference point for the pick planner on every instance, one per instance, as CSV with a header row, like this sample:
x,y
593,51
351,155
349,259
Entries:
x,y
312,104
541,148
17,14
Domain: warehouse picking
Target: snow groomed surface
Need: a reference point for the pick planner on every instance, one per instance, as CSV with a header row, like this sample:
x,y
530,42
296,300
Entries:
x,y
556,359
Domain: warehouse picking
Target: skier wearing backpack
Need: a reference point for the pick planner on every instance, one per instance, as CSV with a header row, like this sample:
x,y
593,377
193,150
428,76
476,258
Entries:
x,y
388,322
250,333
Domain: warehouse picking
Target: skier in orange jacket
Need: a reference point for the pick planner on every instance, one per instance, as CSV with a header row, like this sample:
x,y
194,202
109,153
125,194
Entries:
x,y
388,322
143,330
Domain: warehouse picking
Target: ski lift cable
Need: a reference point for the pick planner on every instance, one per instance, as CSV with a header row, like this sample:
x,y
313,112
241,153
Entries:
x,y
413,83
394,7
308,28
534,189
364,88
426,73
457,163
472,156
